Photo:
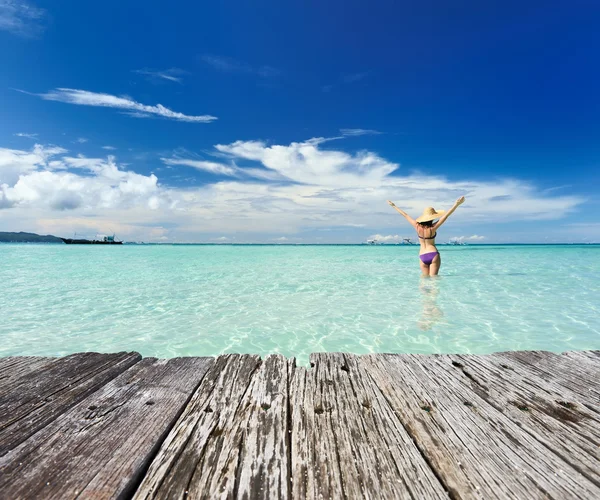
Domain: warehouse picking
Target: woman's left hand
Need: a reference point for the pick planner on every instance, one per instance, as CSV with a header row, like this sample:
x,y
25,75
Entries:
x,y
391,203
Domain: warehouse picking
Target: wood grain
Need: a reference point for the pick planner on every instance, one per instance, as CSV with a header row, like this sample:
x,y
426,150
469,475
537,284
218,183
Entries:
x,y
33,401
580,378
346,419
507,425
552,415
200,456
476,450
15,367
103,445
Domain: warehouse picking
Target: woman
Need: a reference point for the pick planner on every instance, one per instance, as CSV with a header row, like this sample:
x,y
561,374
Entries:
x,y
427,231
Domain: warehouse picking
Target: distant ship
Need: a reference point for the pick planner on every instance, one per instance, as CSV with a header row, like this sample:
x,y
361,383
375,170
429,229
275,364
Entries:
x,y
106,240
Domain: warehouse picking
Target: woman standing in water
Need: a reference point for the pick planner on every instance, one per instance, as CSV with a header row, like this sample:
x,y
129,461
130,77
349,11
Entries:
x,y
427,231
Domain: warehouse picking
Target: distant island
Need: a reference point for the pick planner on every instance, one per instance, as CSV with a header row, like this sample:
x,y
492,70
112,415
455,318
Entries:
x,y
27,238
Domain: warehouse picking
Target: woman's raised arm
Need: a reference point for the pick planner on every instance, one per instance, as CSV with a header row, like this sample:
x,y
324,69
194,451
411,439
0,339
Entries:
x,y
410,220
457,204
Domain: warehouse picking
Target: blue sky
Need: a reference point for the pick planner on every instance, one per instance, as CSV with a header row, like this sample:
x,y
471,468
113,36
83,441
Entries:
x,y
294,122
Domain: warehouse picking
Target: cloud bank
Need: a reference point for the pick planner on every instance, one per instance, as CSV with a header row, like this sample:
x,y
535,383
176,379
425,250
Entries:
x,y
258,190
47,179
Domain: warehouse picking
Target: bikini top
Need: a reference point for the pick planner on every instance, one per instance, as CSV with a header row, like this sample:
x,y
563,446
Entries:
x,y
423,237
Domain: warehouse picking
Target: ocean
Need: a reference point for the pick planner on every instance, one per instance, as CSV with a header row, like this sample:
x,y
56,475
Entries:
x,y
204,300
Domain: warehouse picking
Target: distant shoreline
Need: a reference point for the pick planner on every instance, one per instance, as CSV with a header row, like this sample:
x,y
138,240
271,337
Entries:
x,y
22,237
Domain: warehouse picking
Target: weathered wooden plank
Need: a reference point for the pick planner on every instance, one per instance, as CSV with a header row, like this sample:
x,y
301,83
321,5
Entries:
x,y
200,457
376,458
33,401
581,378
315,466
476,450
585,356
14,367
572,388
262,470
100,448
512,424
553,417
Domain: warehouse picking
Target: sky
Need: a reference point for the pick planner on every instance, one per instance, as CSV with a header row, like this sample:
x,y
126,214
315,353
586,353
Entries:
x,y
294,122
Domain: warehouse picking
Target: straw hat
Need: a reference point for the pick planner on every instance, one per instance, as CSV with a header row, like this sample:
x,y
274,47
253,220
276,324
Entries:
x,y
430,214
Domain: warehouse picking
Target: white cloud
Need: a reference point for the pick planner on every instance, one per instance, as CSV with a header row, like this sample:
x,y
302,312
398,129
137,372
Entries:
x,y
29,179
131,107
81,140
170,75
462,239
109,148
14,163
354,132
28,136
390,238
222,169
281,238
21,18
229,65
207,166
272,190
305,163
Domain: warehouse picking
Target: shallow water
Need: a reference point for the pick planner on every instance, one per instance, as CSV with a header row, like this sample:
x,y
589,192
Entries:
x,y
171,301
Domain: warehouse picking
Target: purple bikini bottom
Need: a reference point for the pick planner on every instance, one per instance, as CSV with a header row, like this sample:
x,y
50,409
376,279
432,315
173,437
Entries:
x,y
427,258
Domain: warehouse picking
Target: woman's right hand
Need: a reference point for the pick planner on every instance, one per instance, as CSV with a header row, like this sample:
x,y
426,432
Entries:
x,y
460,201
391,203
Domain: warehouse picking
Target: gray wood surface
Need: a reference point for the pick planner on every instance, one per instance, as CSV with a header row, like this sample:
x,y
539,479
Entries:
x,y
476,450
552,415
591,355
15,367
507,425
346,438
580,378
30,402
315,466
262,423
102,446
200,457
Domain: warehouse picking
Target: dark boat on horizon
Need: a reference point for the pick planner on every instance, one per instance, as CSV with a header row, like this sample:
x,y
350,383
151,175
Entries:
x,y
106,240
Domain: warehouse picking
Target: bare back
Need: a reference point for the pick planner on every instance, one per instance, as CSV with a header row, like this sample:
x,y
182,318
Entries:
x,y
426,236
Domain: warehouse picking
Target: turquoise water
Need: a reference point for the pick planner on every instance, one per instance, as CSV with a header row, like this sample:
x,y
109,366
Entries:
x,y
204,300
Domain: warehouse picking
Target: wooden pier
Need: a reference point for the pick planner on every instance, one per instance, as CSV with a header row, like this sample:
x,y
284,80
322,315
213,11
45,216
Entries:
x,y
507,425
